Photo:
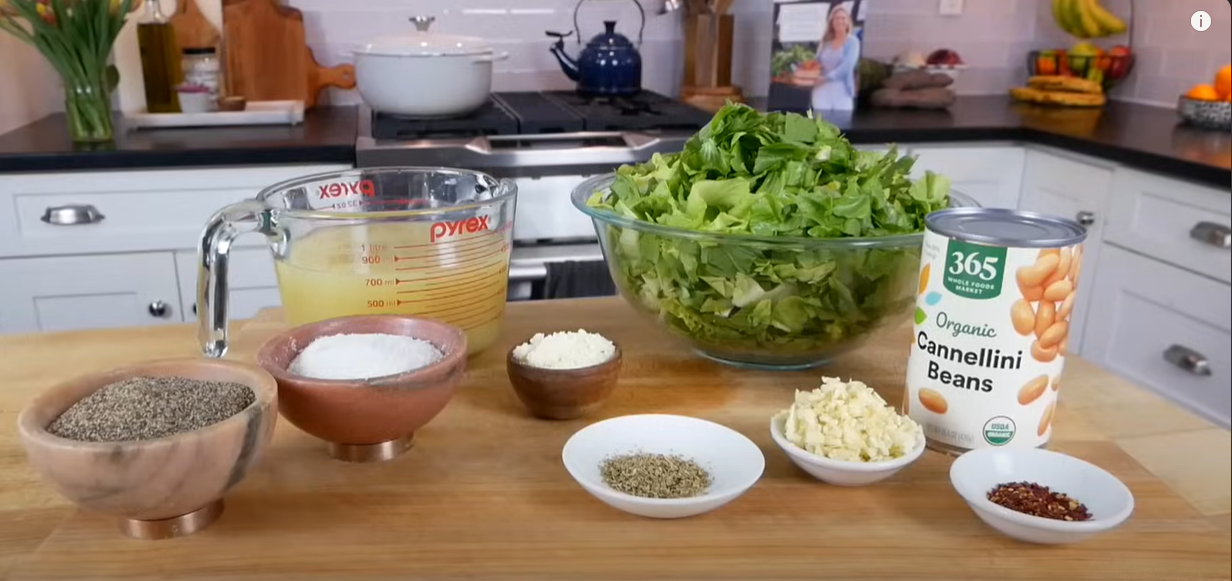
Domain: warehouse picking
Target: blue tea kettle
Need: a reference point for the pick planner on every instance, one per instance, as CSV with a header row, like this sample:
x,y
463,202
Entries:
x,y
609,65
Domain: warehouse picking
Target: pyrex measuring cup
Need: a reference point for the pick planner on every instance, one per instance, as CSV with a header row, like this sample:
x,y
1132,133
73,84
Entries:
x,y
421,241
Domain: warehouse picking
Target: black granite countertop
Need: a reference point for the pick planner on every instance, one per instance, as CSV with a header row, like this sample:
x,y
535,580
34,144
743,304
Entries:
x,y
1148,138
327,135
1136,135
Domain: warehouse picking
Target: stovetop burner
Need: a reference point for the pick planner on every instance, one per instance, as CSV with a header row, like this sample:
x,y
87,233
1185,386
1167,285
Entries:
x,y
538,113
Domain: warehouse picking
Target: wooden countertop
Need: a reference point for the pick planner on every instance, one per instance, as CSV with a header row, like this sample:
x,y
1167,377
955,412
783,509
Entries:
x,y
483,493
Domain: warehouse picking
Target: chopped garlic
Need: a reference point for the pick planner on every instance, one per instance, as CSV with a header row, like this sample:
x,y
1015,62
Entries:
x,y
565,350
849,421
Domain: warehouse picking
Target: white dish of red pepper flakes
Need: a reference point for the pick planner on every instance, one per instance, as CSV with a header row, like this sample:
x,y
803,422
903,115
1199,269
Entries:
x,y
1039,496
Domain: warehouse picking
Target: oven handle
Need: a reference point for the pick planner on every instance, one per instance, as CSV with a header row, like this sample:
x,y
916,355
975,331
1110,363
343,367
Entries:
x,y
528,272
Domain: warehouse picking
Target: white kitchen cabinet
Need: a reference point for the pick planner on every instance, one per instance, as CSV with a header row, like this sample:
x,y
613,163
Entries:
x,y
1163,328
251,281
44,214
1176,222
1071,189
88,292
990,174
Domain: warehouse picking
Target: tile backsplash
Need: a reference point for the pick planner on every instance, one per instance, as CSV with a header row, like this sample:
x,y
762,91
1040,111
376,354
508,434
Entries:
x,y
992,36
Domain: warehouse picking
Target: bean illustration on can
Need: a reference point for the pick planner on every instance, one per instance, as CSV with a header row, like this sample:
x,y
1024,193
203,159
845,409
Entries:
x,y
996,293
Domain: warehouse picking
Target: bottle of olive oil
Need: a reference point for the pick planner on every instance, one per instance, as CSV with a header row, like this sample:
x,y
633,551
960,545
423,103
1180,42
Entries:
x,y
160,59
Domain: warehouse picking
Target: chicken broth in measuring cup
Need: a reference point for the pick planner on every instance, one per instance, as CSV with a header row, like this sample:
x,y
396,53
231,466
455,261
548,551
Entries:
x,y
457,273
431,242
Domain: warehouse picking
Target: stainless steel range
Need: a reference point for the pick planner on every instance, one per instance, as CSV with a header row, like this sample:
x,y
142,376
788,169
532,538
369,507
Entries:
x,y
548,142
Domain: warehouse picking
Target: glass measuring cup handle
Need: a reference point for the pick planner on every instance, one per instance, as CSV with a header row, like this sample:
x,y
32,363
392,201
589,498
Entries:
x,y
213,260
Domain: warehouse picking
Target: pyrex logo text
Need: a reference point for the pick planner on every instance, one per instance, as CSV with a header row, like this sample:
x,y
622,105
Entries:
x,y
338,190
468,226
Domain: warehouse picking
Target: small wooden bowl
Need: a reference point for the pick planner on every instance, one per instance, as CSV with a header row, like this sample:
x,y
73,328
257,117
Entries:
x,y
161,488
563,394
370,419
232,103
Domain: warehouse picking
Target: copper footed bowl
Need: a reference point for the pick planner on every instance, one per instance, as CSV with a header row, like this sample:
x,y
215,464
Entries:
x,y
160,488
366,419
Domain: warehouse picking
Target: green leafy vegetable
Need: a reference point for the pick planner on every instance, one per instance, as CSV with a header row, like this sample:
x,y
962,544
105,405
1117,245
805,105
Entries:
x,y
779,176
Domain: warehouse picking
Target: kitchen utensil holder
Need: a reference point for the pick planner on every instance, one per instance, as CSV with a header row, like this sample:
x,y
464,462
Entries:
x,y
708,50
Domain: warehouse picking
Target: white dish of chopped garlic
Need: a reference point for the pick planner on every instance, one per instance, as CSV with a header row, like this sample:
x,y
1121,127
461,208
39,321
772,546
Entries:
x,y
844,433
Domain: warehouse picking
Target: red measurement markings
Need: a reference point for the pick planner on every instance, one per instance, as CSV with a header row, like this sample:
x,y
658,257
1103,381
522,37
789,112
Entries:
x,y
459,261
486,235
480,318
453,251
428,293
433,285
436,286
463,244
456,274
458,308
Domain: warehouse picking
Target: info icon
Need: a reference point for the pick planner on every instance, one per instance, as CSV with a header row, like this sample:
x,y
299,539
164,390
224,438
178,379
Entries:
x,y
1200,20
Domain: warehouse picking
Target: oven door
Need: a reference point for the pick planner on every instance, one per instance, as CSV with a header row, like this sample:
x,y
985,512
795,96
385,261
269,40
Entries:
x,y
554,271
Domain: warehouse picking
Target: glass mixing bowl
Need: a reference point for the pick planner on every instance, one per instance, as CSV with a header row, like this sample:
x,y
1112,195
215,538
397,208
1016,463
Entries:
x,y
738,315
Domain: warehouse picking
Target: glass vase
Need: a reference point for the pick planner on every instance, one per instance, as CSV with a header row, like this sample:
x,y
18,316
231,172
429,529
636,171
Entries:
x,y
87,105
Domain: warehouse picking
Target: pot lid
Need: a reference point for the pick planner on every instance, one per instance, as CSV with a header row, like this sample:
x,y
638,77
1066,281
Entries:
x,y
424,43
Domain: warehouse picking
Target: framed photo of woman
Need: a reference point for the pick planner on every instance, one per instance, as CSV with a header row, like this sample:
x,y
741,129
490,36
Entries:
x,y
815,53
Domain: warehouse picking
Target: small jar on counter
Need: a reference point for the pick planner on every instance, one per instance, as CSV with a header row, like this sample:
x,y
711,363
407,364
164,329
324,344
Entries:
x,y
201,67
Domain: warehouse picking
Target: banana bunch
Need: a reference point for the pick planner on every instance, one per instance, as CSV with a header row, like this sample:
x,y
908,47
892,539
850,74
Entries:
x,y
1086,18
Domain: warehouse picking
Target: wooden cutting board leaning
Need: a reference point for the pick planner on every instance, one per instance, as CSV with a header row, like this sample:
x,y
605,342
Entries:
x,y
192,30
266,57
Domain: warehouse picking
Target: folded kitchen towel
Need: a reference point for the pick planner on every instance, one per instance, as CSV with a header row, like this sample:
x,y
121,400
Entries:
x,y
571,280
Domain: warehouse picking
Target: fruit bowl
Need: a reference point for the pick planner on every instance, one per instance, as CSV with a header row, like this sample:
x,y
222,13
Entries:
x,y
1205,114
871,283
1107,68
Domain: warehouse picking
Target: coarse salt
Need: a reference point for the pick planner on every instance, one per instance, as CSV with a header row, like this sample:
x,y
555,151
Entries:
x,y
363,356
565,350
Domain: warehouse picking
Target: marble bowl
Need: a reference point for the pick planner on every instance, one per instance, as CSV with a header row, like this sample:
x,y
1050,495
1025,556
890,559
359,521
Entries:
x,y
159,488
372,419
563,394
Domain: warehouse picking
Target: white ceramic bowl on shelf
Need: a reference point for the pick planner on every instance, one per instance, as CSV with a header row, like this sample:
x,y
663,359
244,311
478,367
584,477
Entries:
x,y
733,461
840,472
976,473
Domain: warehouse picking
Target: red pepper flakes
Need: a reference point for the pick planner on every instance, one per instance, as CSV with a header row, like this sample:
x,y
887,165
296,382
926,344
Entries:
x,y
1035,500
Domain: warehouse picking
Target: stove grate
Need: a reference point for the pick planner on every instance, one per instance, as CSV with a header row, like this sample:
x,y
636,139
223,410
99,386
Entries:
x,y
534,113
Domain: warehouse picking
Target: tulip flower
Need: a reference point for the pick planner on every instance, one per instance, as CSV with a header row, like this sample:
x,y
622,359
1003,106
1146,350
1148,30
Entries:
x,y
75,36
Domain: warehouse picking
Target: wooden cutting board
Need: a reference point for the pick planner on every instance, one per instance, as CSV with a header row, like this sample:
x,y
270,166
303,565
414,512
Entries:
x,y
192,30
267,58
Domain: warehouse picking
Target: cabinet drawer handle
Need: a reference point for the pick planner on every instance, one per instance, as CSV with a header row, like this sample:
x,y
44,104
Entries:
x,y
159,309
1086,218
72,215
1188,359
1216,235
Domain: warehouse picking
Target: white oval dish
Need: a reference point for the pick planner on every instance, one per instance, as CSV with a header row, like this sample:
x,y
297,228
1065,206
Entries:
x,y
734,462
976,473
840,472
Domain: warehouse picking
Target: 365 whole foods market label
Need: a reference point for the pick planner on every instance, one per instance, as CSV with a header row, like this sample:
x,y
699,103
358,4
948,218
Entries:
x,y
991,328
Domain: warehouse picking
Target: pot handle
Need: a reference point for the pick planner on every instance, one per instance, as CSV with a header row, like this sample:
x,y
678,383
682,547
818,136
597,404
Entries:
x,y
640,29
499,55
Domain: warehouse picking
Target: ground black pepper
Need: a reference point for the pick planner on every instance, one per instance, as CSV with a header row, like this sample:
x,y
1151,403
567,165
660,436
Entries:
x,y
1035,500
146,408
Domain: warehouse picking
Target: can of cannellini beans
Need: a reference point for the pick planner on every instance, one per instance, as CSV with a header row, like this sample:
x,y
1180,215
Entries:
x,y
996,291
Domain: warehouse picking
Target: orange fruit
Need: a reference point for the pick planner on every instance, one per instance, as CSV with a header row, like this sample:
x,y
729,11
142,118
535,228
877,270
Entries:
x,y
1203,93
1223,81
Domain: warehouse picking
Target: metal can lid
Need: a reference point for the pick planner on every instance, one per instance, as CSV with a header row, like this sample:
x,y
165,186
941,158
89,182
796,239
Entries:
x,y
1005,227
